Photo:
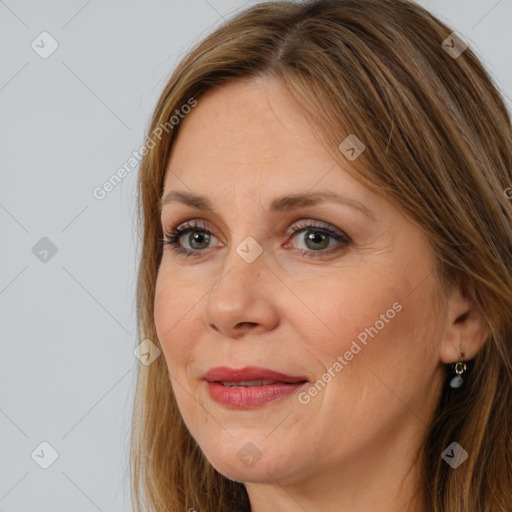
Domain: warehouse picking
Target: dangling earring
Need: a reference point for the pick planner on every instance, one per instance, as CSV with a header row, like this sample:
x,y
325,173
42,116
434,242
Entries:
x,y
459,369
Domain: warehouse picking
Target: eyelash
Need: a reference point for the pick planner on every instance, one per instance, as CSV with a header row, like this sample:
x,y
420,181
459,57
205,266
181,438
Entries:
x,y
173,236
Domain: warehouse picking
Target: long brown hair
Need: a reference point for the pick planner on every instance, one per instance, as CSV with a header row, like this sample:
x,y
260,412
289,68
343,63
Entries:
x,y
438,145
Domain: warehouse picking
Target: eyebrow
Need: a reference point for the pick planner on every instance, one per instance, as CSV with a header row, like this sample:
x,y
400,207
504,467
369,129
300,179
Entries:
x,y
278,204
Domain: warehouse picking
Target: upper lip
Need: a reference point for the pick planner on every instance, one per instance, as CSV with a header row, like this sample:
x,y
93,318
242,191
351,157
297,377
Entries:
x,y
226,374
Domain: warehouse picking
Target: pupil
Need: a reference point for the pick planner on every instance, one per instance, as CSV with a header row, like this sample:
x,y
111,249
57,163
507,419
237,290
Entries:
x,y
197,237
316,238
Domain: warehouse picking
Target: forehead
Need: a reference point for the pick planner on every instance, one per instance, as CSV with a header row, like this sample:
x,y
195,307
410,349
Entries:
x,y
251,136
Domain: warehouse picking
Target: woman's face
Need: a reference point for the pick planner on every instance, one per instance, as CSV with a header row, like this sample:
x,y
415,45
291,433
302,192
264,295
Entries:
x,y
339,296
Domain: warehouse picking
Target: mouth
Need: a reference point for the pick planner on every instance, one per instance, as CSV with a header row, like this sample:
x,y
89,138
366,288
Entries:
x,y
251,386
251,383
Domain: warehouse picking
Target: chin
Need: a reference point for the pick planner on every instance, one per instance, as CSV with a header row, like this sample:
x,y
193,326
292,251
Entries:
x,y
250,460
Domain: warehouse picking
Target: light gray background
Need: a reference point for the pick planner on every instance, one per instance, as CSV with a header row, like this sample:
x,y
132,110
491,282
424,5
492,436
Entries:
x,y
67,325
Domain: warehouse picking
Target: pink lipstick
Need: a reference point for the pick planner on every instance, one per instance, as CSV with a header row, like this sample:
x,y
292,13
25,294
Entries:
x,y
251,386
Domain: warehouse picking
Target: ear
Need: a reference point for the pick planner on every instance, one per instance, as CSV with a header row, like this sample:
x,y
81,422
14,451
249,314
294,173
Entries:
x,y
466,330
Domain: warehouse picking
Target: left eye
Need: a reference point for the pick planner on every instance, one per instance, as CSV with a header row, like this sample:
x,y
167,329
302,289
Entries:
x,y
317,238
314,239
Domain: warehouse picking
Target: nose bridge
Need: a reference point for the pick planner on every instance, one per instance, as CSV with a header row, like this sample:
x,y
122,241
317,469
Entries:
x,y
244,257
247,210
248,227
243,262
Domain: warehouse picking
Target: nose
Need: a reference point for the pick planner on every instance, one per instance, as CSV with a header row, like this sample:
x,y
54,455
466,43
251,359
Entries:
x,y
243,298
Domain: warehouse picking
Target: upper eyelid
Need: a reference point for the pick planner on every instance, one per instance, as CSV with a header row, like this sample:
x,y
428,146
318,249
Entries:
x,y
194,223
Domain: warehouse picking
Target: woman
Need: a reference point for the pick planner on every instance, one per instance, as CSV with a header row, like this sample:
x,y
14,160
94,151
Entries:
x,y
326,269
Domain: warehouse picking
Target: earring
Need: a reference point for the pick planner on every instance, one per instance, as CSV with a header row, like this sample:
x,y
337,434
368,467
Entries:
x,y
457,381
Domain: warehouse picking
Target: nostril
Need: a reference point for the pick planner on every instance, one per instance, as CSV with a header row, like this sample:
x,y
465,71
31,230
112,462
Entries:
x,y
242,325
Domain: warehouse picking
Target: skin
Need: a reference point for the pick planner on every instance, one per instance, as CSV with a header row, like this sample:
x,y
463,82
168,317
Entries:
x,y
353,446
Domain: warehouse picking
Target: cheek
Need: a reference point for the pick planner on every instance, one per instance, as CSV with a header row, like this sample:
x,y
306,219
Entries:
x,y
380,330
173,316
177,329
356,308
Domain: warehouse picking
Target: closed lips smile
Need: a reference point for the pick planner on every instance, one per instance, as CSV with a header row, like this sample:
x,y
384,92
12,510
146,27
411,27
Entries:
x,y
250,387
247,383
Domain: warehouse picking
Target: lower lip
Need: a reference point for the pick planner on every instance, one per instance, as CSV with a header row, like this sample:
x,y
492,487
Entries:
x,y
251,396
